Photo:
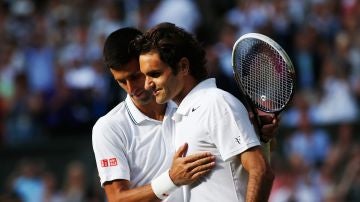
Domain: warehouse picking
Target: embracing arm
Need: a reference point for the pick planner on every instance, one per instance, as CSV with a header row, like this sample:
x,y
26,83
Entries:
x,y
184,170
260,174
118,190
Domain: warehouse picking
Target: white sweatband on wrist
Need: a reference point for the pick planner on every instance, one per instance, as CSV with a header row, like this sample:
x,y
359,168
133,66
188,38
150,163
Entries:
x,y
162,186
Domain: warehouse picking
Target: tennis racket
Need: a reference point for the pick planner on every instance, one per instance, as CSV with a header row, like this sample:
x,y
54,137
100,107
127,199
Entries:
x,y
264,74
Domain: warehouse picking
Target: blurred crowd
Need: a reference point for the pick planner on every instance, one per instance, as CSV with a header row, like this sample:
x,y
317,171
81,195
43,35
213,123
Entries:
x,y
53,81
32,181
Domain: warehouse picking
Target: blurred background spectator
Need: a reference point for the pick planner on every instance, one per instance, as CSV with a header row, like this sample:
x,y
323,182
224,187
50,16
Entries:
x,y
53,86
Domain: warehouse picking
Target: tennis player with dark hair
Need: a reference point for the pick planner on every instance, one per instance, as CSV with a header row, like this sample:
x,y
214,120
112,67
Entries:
x,y
133,143
207,118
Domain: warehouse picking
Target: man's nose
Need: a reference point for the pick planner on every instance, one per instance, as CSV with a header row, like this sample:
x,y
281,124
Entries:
x,y
149,84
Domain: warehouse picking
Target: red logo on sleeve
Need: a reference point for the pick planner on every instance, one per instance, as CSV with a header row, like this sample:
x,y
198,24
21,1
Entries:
x,y
109,162
104,163
113,162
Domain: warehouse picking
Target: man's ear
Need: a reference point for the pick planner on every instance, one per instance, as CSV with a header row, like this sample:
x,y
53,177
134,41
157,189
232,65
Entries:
x,y
184,66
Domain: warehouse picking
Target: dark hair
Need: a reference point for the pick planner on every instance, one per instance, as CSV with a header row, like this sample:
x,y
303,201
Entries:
x,y
117,50
173,43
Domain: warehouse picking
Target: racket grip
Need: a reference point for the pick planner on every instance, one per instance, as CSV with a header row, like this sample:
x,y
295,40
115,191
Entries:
x,y
266,149
265,145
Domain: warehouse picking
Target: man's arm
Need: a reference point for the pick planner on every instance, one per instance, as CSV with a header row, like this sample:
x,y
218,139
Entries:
x,y
261,176
118,190
184,170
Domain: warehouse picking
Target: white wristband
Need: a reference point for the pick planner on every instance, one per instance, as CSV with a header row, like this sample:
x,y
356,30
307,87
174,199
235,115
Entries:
x,y
162,186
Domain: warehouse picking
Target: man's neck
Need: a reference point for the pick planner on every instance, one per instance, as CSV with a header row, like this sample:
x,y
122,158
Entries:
x,y
189,84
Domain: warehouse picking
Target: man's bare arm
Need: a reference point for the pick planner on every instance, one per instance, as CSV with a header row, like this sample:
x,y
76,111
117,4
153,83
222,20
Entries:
x,y
118,190
261,176
184,170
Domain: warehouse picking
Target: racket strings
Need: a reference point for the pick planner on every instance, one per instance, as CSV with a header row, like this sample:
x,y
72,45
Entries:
x,y
263,74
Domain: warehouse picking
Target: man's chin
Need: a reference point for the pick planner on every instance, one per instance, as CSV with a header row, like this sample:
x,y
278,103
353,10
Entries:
x,y
142,99
161,100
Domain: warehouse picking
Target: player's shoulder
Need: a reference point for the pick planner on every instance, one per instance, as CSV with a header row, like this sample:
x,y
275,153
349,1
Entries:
x,y
114,116
219,95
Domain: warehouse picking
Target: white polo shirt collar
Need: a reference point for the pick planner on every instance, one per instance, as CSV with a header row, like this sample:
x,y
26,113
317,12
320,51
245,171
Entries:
x,y
138,117
186,104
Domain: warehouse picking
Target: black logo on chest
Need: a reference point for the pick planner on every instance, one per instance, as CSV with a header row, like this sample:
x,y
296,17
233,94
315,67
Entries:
x,y
194,108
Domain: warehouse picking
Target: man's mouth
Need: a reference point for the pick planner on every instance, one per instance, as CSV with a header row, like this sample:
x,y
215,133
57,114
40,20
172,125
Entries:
x,y
156,92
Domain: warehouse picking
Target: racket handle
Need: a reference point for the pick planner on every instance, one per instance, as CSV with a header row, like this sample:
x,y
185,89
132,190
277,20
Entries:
x,y
266,149
265,145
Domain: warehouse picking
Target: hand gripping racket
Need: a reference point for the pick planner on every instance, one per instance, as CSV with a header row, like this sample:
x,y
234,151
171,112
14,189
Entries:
x,y
265,76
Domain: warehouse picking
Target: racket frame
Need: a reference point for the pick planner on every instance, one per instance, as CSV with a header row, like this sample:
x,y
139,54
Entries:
x,y
284,56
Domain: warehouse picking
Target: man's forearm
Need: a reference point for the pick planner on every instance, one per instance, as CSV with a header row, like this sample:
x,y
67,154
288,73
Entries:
x,y
144,193
259,186
118,190
160,188
261,176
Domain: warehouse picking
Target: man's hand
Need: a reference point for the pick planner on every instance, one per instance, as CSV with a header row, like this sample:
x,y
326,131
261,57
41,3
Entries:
x,y
269,124
186,170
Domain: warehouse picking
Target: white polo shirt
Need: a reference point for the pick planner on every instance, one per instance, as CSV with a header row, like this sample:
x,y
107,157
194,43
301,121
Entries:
x,y
210,119
129,145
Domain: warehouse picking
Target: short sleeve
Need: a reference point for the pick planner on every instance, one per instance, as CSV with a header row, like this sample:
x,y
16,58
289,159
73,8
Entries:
x,y
230,127
110,152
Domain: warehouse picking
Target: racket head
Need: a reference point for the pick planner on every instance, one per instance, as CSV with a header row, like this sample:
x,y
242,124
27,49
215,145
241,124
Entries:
x,y
264,72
